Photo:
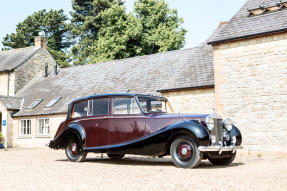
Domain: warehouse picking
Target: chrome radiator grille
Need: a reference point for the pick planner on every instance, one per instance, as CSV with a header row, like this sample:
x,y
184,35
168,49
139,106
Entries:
x,y
217,130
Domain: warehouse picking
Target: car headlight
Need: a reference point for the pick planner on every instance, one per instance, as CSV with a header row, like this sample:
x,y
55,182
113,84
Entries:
x,y
228,124
209,122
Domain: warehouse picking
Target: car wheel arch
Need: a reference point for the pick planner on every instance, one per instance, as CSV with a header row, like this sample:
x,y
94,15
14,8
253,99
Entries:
x,y
73,130
192,129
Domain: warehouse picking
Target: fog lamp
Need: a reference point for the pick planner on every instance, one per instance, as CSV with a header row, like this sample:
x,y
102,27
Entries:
x,y
213,139
233,140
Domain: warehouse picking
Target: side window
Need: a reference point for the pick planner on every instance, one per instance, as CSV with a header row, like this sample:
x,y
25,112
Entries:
x,y
99,106
125,106
80,109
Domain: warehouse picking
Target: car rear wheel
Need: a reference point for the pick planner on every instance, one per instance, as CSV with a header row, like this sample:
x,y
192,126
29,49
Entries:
x,y
115,156
184,152
74,151
222,161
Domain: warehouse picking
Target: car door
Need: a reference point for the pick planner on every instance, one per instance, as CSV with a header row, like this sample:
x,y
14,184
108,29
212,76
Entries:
x,y
127,122
96,122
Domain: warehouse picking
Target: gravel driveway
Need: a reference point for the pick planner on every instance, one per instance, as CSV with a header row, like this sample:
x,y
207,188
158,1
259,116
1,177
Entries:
x,y
45,169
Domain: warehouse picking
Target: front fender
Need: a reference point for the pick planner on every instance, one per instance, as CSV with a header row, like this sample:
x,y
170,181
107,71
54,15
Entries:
x,y
199,133
235,132
72,129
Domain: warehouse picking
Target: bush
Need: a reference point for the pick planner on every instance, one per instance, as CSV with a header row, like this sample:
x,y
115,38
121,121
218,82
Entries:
x,y
1,138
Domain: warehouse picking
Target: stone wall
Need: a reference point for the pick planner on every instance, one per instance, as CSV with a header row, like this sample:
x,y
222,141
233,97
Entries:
x,y
191,101
3,83
251,88
33,67
35,140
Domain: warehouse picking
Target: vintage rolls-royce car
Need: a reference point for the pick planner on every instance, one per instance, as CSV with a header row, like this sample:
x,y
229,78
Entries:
x,y
122,123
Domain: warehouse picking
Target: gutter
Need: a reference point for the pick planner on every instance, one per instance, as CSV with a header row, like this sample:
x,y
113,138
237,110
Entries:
x,y
246,36
8,83
41,114
187,88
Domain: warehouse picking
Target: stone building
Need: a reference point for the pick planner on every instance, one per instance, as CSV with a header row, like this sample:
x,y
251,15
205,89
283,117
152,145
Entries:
x,y
240,71
17,68
250,72
34,112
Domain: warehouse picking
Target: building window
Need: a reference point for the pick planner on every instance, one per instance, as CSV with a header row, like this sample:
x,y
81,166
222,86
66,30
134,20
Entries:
x,y
53,102
25,128
43,127
34,103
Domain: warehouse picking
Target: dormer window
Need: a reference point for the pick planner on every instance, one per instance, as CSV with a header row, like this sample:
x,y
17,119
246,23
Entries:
x,y
280,5
34,103
53,102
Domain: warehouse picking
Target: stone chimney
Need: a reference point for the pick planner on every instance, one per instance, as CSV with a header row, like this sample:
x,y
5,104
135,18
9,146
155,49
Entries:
x,y
222,23
40,40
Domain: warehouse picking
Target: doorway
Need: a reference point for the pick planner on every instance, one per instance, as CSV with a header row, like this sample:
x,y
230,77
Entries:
x,y
0,122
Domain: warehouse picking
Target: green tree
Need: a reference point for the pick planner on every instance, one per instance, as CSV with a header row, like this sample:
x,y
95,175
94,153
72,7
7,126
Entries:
x,y
85,25
104,31
162,29
118,36
53,23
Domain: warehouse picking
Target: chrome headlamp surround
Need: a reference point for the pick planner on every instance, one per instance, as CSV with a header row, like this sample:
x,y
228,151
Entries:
x,y
209,122
227,123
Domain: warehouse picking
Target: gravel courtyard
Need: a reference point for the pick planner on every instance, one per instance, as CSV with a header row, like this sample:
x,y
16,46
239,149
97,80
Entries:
x,y
45,169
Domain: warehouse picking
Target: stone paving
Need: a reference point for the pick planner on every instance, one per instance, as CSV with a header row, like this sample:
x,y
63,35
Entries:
x,y
45,169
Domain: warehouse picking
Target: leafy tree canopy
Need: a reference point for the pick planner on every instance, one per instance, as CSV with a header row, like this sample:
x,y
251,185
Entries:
x,y
52,23
105,31
162,29
102,30
85,25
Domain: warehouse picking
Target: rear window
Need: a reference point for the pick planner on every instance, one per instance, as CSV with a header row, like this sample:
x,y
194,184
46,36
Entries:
x,y
80,109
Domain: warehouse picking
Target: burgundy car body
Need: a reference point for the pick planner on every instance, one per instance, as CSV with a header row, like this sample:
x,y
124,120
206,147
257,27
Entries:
x,y
145,133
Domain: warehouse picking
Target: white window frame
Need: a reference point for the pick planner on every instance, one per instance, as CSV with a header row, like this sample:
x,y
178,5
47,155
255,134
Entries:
x,y
20,128
46,126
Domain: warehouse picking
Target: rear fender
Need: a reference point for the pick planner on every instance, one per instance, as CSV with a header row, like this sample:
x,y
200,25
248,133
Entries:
x,y
72,130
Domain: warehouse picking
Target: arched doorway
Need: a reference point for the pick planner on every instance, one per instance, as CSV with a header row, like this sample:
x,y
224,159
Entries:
x,y
0,121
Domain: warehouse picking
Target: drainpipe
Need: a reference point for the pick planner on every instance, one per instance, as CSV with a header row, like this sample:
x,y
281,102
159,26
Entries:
x,y
6,130
8,83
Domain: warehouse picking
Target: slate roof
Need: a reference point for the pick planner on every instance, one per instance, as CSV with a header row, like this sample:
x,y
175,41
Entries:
x,y
142,75
242,25
10,59
11,102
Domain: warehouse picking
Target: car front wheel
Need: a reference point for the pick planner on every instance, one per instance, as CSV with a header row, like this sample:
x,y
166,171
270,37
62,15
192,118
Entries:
x,y
74,151
184,152
222,161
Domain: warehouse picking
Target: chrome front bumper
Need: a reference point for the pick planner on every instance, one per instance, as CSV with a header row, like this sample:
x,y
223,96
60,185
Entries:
x,y
219,148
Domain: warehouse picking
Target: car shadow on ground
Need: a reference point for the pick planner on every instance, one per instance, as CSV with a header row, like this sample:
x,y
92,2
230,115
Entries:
x,y
149,161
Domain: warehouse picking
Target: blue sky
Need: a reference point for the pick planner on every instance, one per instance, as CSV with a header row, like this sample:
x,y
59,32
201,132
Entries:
x,y
200,17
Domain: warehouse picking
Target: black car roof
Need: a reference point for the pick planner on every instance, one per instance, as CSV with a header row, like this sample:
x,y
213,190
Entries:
x,y
113,95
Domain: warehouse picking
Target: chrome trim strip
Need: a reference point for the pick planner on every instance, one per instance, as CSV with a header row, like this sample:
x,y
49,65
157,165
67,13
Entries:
x,y
111,117
219,148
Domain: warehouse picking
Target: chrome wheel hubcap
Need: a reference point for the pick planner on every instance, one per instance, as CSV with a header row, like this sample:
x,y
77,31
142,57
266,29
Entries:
x,y
184,151
74,148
